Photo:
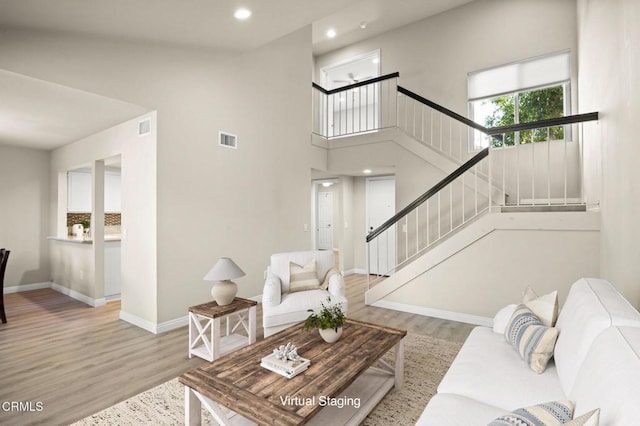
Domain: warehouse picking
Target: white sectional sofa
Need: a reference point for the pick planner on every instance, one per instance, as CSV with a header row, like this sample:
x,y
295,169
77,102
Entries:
x,y
596,364
282,308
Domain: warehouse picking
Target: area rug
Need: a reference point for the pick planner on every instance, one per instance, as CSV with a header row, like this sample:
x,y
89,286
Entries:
x,y
426,361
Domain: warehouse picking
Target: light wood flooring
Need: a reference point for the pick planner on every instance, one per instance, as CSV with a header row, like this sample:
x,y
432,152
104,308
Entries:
x,y
77,360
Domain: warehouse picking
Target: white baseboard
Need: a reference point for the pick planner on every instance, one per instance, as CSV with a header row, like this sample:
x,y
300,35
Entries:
x,y
151,327
435,313
112,298
79,296
26,287
354,271
172,324
137,321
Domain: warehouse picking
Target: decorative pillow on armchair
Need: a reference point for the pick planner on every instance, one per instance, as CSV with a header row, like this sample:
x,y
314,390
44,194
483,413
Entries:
x,y
302,278
327,277
533,340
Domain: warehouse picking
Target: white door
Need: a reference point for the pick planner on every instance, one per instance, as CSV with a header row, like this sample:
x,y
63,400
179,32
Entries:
x,y
325,221
381,206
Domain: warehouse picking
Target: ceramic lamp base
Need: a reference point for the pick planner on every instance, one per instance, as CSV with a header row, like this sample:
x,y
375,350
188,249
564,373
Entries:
x,y
223,292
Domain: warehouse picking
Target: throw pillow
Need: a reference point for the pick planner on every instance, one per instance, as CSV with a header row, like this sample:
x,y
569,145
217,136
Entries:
x,y
548,414
545,307
303,278
592,418
327,277
533,340
501,319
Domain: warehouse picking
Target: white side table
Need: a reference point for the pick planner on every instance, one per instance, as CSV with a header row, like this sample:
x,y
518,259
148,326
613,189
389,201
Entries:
x,y
205,336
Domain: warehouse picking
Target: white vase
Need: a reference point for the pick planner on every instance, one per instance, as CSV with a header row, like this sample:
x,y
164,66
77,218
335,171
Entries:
x,y
329,335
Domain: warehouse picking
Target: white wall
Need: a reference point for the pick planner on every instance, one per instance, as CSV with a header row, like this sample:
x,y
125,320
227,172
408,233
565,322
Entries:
x,y
494,271
211,201
434,55
609,47
78,267
24,213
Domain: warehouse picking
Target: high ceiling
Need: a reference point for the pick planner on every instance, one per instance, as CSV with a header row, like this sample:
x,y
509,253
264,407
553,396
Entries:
x,y
205,23
43,115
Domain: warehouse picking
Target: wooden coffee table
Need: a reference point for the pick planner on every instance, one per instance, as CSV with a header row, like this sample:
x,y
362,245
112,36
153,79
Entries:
x,y
342,385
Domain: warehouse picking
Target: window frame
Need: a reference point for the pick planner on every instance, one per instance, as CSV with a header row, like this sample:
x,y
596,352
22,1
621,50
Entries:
x,y
565,83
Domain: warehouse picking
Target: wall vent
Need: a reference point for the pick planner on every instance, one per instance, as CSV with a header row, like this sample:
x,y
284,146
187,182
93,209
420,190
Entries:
x,y
144,127
228,140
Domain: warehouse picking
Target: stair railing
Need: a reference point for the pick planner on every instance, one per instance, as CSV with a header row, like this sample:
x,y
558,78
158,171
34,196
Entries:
x,y
360,107
540,163
449,205
436,126
532,165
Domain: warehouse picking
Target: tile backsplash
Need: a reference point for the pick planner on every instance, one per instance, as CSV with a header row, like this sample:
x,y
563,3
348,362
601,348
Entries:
x,y
110,219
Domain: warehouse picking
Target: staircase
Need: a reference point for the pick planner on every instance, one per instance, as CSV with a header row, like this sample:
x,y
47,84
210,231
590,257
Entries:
x,y
528,187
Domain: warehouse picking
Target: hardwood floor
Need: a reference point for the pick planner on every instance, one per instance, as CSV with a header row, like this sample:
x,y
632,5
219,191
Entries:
x,y
65,360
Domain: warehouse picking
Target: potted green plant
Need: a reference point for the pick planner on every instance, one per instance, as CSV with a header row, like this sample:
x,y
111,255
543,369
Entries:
x,y
328,321
86,225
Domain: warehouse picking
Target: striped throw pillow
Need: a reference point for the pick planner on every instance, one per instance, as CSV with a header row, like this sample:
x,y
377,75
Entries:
x,y
303,278
533,340
592,418
548,414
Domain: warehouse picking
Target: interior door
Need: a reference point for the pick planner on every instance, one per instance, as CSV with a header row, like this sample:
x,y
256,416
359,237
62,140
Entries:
x,y
381,206
325,221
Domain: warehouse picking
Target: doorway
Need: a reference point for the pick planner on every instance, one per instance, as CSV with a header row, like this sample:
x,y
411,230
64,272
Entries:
x,y
325,221
380,195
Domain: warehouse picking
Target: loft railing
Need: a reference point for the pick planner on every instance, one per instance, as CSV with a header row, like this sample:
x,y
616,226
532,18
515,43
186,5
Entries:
x,y
357,108
524,165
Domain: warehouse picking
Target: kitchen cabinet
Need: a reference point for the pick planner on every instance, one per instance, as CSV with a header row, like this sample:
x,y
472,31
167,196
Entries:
x,y
79,191
112,192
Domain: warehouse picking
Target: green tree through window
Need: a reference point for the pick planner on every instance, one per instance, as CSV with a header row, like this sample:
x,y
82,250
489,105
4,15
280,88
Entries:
x,y
533,105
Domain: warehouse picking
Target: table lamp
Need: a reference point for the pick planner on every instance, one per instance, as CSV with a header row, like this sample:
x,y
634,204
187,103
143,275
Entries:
x,y
224,290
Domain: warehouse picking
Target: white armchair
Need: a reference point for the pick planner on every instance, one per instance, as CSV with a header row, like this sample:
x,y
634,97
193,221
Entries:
x,y
282,308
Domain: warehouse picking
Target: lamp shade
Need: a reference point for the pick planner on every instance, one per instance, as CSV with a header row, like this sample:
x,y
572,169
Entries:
x,y
224,269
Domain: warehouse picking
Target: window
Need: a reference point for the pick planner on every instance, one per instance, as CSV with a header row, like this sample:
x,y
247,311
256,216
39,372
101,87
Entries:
x,y
522,92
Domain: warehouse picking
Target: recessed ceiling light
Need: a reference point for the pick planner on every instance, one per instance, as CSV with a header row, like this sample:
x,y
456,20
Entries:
x,y
376,60
363,25
242,14
331,33
366,171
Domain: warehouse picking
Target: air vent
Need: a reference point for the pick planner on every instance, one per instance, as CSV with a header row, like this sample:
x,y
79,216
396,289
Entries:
x,y
228,140
144,127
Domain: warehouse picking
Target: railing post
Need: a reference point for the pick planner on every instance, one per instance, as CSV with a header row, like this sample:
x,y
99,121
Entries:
x,y
368,265
490,178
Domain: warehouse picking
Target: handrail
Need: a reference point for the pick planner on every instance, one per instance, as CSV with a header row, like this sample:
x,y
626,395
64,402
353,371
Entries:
x,y
540,124
430,193
354,85
443,110
494,131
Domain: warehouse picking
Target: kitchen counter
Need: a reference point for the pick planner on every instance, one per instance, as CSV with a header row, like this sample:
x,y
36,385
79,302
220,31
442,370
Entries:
x,y
70,239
